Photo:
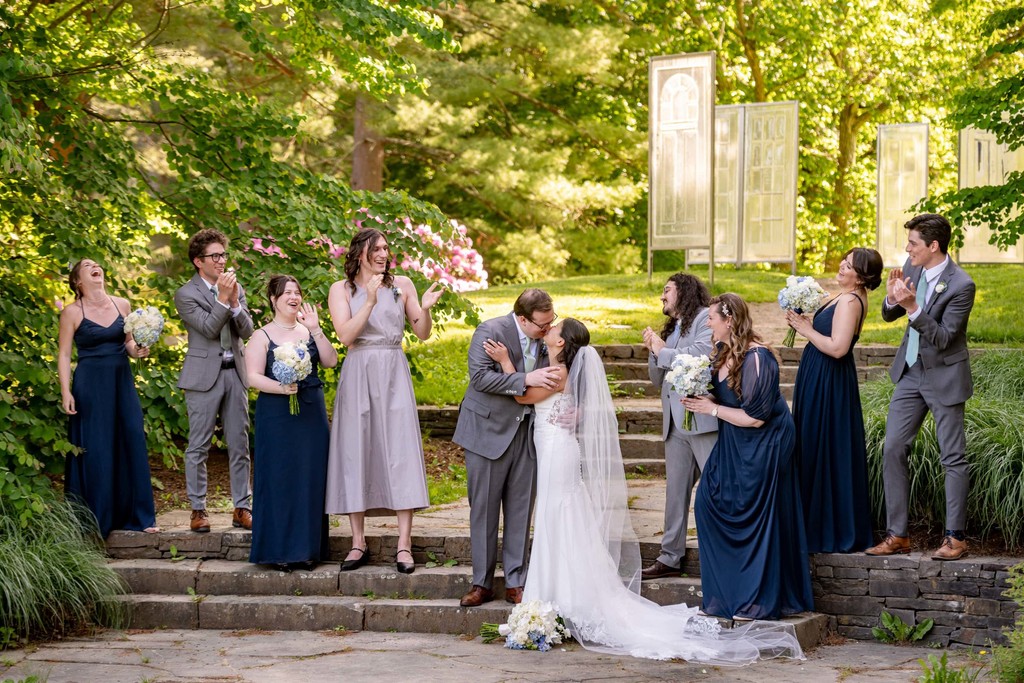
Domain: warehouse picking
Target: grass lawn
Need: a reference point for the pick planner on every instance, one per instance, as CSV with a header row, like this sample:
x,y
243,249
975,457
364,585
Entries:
x,y
616,308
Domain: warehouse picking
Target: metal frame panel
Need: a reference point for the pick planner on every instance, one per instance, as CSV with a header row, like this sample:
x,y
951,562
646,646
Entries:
x,y
983,161
682,111
902,166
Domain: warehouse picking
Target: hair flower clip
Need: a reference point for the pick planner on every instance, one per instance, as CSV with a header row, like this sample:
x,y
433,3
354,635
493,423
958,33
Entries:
x,y
725,310
941,287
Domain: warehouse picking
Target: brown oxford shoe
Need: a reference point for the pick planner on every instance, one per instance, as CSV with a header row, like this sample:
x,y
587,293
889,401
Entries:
x,y
477,596
514,595
950,549
658,570
241,517
891,545
199,522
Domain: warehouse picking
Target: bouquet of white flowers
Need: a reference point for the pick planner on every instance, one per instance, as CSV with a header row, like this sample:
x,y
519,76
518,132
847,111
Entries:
x,y
801,295
292,364
533,625
145,324
689,376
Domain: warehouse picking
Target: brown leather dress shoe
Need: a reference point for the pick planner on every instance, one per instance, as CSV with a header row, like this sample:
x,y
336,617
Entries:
x,y
199,522
950,549
891,545
514,595
658,570
477,596
241,517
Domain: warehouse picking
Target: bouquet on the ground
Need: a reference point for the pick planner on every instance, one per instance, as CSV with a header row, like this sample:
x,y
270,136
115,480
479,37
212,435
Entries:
x,y
689,376
292,364
533,625
145,325
801,295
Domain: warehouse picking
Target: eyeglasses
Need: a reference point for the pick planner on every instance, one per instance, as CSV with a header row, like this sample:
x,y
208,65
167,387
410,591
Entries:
x,y
220,256
545,326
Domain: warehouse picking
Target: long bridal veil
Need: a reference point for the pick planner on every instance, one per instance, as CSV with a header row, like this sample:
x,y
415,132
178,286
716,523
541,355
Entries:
x,y
600,600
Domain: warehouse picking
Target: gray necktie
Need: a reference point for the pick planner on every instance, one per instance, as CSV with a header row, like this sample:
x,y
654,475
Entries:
x,y
225,332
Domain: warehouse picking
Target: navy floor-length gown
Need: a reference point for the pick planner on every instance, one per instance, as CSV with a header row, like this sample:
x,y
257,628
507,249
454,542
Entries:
x,y
753,557
111,474
831,455
290,472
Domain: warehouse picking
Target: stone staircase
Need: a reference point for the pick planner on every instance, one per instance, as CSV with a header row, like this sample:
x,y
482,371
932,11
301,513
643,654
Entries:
x,y
197,586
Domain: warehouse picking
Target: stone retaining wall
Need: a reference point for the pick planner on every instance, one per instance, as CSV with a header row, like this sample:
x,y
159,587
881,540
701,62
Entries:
x,y
964,598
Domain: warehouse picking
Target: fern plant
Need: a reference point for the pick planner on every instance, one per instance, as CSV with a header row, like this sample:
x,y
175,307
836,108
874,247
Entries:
x,y
895,631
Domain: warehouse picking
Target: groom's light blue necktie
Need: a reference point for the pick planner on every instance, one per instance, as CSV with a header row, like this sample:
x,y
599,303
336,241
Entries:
x,y
529,358
913,336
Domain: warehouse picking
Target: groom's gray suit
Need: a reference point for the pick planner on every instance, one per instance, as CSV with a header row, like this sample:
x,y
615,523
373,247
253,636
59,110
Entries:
x,y
211,388
686,452
501,461
940,381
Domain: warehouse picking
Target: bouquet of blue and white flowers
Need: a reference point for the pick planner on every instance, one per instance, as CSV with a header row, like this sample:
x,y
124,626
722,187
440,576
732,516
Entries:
x,y
292,364
145,325
689,376
801,295
532,625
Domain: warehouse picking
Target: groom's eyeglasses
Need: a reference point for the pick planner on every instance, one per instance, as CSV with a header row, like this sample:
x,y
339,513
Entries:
x,y
545,326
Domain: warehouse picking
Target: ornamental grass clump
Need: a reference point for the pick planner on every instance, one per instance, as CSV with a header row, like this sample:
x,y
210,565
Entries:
x,y
53,575
994,427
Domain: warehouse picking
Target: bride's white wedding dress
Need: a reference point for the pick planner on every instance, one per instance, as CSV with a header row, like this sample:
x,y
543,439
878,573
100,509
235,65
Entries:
x,y
585,557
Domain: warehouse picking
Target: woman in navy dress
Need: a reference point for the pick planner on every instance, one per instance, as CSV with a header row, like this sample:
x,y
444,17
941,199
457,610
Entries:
x,y
290,468
110,474
753,557
831,454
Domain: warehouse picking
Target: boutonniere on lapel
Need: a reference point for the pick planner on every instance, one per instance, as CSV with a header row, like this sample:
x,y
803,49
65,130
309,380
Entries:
x,y
397,292
941,287
543,349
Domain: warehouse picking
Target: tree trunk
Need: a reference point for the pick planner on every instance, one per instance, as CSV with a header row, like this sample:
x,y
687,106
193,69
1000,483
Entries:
x,y
368,149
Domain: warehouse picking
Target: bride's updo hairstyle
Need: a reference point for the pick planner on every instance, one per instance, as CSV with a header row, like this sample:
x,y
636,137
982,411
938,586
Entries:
x,y
741,335
575,335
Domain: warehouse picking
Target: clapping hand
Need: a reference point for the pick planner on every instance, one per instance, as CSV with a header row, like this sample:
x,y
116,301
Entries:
x,y
430,297
227,288
652,341
905,294
895,278
372,288
308,316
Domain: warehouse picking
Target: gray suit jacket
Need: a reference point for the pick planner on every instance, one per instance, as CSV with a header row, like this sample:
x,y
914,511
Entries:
x,y
204,317
942,324
695,341
489,415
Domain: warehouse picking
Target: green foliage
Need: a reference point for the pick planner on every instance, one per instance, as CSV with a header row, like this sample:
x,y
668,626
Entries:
x,y
116,149
1008,660
894,631
54,575
449,487
995,450
936,670
994,101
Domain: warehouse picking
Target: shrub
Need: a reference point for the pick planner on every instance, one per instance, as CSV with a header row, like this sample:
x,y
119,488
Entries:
x,y
54,575
1008,660
995,451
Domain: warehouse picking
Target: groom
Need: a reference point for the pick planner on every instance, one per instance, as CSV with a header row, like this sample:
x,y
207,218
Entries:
x,y
685,301
932,371
497,433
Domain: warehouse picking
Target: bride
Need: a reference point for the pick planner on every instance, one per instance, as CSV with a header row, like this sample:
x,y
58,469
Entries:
x,y
585,557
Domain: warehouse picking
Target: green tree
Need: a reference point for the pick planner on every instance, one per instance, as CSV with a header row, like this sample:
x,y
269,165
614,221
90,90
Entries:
x,y
113,148
993,101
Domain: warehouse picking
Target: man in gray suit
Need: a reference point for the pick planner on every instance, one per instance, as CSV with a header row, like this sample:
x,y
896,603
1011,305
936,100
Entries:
x,y
212,306
497,433
932,371
685,301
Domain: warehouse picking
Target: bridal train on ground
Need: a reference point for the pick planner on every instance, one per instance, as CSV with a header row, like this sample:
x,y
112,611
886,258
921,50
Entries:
x,y
585,557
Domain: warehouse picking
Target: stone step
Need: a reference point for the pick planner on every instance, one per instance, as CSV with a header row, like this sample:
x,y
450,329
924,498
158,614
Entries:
x,y
647,467
642,446
343,613
223,577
